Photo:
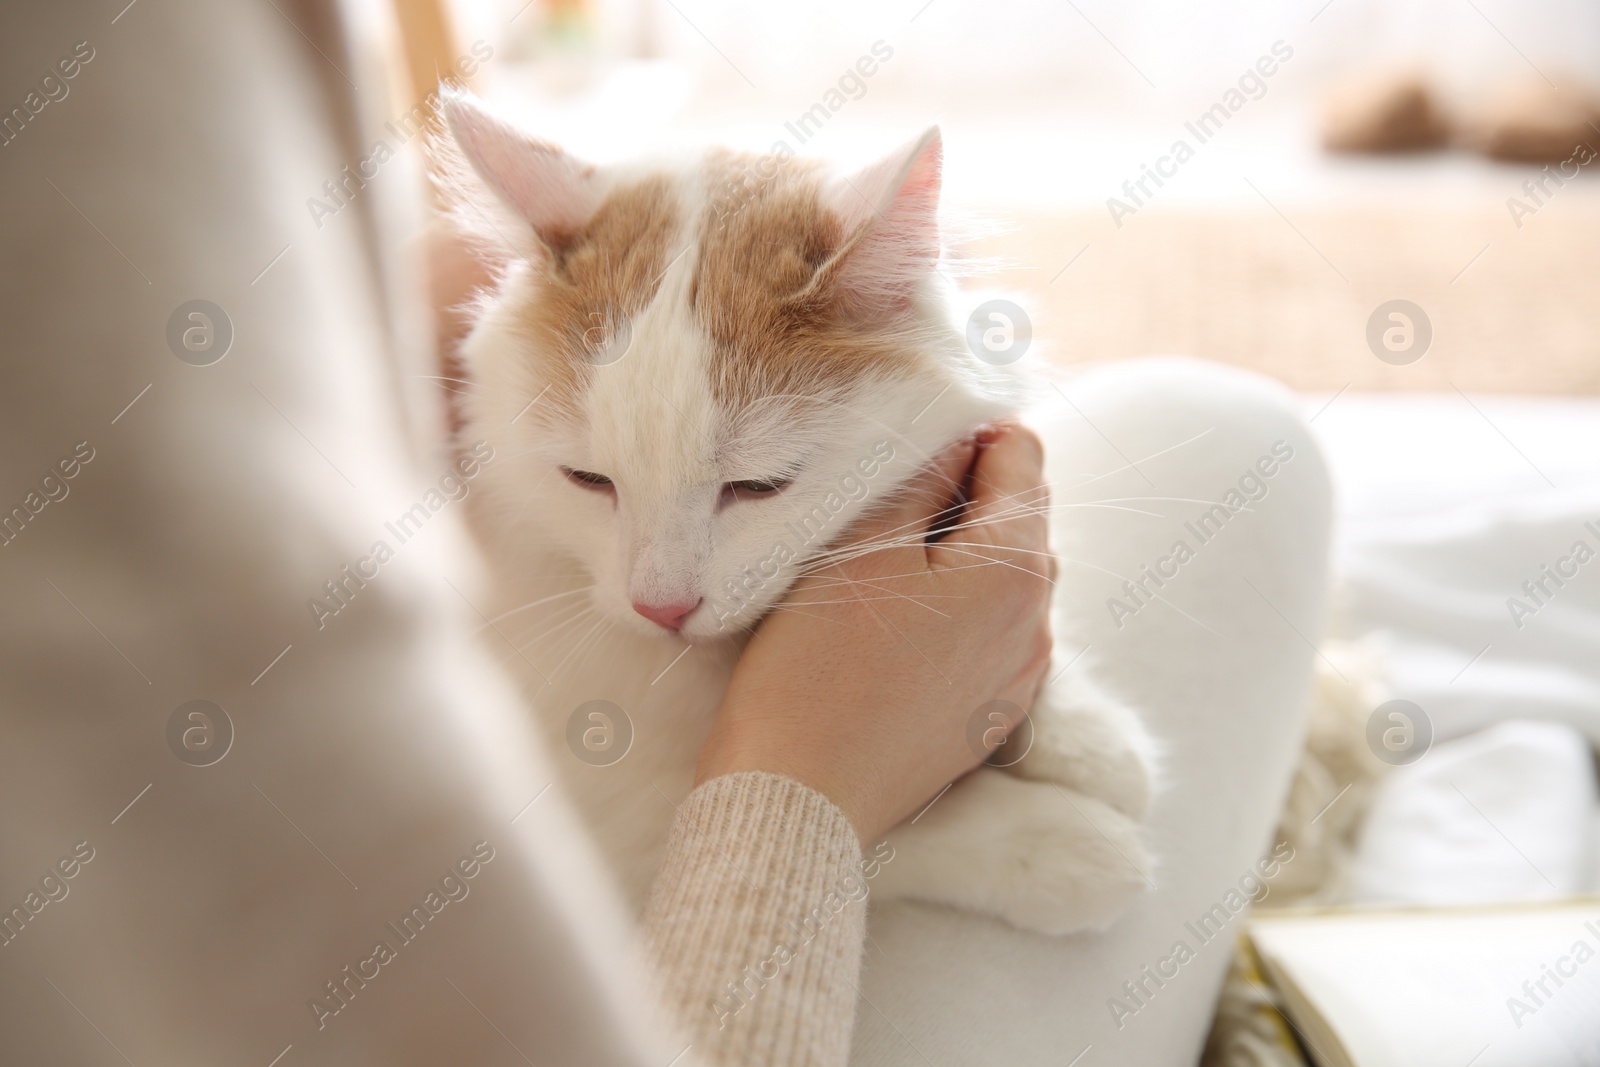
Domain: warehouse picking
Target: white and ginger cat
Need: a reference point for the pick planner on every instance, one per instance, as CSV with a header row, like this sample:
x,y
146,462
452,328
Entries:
x,y
695,376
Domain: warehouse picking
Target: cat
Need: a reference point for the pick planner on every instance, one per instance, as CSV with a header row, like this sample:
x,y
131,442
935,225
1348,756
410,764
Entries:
x,y
696,375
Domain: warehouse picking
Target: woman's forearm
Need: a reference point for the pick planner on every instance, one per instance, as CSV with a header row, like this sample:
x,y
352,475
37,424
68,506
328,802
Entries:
x,y
756,922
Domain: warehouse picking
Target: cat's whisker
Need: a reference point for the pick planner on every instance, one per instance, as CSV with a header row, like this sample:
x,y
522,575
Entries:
x,y
917,524
1112,573
526,647
539,650
852,585
558,611
558,627
450,386
916,535
866,548
1162,499
580,642
854,599
570,615
607,625
914,523
809,614
1118,507
535,603
875,599
892,595
1008,563
817,577
956,546
599,638
1064,559
823,583
1134,464
993,548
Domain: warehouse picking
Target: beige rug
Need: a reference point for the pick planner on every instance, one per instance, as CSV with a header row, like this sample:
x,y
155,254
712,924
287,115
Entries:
x,y
1512,310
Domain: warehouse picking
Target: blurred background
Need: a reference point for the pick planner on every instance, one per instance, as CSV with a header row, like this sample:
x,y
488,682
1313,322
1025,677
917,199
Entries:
x,y
1261,250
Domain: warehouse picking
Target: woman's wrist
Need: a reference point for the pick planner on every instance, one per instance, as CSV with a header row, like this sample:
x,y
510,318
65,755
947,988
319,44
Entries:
x,y
735,749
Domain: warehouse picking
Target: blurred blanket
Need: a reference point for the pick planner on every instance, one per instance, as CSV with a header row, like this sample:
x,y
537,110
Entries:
x,y
1468,564
1468,551
1505,814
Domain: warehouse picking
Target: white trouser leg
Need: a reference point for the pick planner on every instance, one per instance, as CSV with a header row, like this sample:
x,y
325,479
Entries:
x,y
1218,660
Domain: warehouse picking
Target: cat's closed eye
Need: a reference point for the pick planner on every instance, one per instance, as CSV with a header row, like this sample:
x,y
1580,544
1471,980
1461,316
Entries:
x,y
752,488
760,485
740,490
587,479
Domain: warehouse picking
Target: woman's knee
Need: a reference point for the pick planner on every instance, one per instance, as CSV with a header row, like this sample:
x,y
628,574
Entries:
x,y
1218,434
1188,490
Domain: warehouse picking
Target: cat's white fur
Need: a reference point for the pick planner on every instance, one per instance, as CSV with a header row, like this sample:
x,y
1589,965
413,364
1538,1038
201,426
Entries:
x,y
1051,844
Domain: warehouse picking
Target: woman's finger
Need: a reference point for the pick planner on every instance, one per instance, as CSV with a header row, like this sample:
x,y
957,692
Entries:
x,y
907,519
1009,502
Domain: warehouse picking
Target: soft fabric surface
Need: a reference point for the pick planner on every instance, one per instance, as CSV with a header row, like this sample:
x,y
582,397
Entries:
x,y
1500,815
1220,667
1447,508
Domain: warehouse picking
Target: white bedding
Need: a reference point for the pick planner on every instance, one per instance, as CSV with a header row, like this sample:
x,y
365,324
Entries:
x,y
1448,505
1503,814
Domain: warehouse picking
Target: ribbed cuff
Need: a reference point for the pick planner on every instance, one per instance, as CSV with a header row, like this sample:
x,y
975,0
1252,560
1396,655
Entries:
x,y
756,922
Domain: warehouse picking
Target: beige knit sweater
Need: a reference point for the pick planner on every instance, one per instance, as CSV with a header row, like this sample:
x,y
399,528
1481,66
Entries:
x,y
756,923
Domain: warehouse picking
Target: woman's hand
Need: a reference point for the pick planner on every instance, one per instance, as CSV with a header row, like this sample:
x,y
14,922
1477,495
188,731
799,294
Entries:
x,y
865,690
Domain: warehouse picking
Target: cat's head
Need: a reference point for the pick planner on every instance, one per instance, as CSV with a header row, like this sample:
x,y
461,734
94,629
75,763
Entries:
x,y
697,374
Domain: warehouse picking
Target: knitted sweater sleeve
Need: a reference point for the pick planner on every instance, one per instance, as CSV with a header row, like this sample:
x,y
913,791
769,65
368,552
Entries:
x,y
756,922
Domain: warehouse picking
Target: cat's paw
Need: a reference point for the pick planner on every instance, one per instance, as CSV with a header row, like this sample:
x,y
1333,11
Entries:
x,y
1089,742
1035,854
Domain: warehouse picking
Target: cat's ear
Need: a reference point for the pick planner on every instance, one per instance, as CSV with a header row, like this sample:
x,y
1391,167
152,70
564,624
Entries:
x,y
891,218
550,190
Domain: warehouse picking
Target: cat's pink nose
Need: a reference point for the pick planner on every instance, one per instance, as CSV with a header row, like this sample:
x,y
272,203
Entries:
x,y
669,615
